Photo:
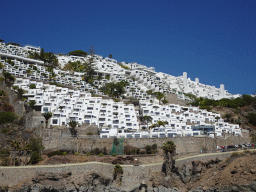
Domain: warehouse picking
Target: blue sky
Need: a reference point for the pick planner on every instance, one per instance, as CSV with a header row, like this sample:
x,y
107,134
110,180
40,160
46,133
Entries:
x,y
213,40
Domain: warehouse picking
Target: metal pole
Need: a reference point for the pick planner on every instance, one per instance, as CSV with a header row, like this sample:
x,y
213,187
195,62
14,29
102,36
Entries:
x,y
77,145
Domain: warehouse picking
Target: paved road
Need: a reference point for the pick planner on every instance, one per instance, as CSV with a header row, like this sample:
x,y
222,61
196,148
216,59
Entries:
x,y
144,165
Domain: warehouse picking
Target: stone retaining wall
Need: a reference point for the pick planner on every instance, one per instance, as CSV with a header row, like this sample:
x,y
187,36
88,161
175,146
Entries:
x,y
54,139
132,175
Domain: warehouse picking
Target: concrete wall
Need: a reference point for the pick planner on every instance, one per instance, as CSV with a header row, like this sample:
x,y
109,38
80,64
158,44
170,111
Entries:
x,y
34,121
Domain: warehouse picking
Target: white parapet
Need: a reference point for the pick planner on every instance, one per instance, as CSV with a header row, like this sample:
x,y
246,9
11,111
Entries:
x,y
185,79
222,90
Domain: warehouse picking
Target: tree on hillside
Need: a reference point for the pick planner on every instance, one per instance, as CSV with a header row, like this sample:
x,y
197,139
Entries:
x,y
32,103
51,60
153,126
110,56
36,146
78,53
164,101
89,67
74,66
149,92
147,119
92,50
8,78
1,65
47,116
20,92
162,123
73,125
252,118
169,149
32,86
159,95
120,87
42,55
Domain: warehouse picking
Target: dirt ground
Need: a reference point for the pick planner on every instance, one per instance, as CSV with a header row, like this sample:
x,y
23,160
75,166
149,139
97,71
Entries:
x,y
232,171
64,159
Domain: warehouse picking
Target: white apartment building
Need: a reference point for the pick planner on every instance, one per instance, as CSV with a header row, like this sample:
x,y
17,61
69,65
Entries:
x,y
116,119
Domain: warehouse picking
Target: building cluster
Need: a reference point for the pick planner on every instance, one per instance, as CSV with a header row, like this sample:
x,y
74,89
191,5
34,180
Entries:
x,y
116,119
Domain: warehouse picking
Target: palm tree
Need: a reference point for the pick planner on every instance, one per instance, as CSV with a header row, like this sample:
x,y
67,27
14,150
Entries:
x,y
73,125
163,123
47,116
53,76
31,103
159,95
148,119
20,92
61,107
153,126
169,149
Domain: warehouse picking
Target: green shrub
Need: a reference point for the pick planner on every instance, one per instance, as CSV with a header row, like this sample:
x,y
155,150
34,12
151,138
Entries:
x,y
6,161
101,154
246,151
7,117
235,154
5,151
7,107
228,160
154,146
15,87
90,133
113,154
35,144
5,130
123,66
253,139
118,170
88,154
32,86
148,149
35,157
78,53
76,153
252,118
56,153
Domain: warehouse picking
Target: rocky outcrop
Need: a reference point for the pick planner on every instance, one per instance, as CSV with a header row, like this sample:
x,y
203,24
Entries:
x,y
236,188
193,171
88,182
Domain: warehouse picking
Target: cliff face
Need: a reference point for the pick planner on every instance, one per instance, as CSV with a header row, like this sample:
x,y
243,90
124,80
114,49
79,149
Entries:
x,y
236,173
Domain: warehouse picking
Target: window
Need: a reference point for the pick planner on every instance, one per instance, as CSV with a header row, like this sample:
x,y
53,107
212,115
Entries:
x,y
45,109
55,121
